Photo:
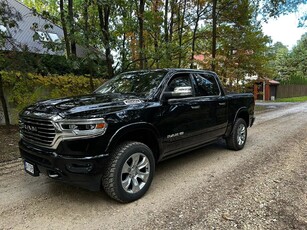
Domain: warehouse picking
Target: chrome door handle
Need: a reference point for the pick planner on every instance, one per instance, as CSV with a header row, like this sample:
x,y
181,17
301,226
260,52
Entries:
x,y
222,103
195,106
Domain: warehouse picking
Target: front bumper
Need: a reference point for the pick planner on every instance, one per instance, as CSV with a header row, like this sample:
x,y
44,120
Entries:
x,y
85,171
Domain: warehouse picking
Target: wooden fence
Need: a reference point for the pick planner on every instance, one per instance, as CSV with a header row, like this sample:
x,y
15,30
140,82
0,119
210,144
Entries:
x,y
284,91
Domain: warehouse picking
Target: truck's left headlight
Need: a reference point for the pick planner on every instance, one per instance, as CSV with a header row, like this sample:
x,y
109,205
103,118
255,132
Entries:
x,y
80,127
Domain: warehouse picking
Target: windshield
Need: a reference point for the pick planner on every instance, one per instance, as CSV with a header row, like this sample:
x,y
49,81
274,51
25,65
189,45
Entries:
x,y
137,83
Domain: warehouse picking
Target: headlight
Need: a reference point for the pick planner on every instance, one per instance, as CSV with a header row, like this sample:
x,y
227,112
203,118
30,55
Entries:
x,y
80,127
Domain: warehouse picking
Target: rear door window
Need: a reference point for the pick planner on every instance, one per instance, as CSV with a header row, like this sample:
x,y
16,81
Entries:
x,y
206,85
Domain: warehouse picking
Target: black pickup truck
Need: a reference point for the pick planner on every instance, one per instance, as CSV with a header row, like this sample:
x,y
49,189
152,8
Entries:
x,y
113,138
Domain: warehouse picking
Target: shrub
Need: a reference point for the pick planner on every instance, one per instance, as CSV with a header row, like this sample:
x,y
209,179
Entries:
x,y
25,89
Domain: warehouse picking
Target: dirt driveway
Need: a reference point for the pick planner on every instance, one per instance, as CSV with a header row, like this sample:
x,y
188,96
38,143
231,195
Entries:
x,y
264,186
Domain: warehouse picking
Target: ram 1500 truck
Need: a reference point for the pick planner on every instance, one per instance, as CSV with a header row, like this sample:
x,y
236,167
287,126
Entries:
x,y
113,138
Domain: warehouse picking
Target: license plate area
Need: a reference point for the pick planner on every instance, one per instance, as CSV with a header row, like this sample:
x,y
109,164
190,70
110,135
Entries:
x,y
31,168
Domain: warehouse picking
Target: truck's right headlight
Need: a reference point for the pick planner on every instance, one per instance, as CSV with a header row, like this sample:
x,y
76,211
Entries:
x,y
82,127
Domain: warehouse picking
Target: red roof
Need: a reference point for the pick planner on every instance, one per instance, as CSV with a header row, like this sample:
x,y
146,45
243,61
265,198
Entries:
x,y
273,82
199,57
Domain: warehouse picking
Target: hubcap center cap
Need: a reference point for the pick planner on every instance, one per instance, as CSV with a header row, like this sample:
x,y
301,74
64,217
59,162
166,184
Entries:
x,y
133,172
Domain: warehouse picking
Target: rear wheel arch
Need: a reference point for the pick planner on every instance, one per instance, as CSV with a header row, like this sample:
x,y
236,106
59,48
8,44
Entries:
x,y
242,113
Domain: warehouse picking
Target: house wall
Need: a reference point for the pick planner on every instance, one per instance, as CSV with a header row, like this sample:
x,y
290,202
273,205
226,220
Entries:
x,y
23,33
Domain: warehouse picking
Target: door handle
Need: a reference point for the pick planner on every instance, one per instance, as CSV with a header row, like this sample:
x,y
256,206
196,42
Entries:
x,y
195,106
222,103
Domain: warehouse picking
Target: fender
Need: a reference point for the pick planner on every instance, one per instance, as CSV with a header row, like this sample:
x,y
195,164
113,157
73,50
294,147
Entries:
x,y
132,128
230,124
242,109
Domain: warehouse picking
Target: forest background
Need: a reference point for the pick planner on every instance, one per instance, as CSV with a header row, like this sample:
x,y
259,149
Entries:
x,y
221,35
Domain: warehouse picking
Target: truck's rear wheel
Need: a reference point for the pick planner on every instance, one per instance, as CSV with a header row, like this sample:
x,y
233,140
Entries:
x,y
129,172
236,140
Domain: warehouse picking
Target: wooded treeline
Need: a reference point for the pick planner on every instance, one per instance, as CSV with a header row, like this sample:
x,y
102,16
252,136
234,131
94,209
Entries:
x,y
144,34
222,35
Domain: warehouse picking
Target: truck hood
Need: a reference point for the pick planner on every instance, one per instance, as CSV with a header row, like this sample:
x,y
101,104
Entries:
x,y
83,106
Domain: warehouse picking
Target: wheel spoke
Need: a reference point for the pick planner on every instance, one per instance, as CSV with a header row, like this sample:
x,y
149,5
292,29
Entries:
x,y
135,159
241,136
143,175
135,185
126,183
144,163
126,168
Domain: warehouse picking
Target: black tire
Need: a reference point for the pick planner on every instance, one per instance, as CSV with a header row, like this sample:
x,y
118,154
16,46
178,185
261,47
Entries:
x,y
237,138
129,172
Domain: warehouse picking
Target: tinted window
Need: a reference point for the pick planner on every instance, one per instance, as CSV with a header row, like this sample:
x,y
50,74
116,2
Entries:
x,y
179,81
140,83
206,85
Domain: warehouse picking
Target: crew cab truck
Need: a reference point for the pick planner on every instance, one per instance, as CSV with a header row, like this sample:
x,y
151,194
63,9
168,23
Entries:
x,y
113,138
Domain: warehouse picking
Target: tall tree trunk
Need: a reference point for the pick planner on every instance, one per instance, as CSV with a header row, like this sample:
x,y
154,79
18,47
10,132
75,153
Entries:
x,y
194,33
171,26
124,53
64,27
181,20
141,11
214,24
104,17
156,31
86,23
87,39
166,21
72,28
169,51
3,102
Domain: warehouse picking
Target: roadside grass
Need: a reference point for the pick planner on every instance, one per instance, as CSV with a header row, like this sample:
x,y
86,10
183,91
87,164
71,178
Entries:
x,y
293,99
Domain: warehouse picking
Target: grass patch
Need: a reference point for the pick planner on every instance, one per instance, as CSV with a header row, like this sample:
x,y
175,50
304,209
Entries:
x,y
293,99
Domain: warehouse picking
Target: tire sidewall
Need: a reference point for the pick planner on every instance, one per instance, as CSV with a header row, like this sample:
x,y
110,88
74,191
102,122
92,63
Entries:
x,y
135,148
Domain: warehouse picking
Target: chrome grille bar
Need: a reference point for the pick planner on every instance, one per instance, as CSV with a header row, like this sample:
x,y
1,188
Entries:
x,y
37,131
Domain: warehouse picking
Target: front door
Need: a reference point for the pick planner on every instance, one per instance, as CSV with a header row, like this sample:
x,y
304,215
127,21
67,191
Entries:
x,y
180,117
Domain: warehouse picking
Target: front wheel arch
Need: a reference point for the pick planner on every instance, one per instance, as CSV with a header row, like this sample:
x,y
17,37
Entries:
x,y
141,132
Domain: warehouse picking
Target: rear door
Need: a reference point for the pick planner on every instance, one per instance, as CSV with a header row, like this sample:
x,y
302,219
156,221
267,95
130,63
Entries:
x,y
213,106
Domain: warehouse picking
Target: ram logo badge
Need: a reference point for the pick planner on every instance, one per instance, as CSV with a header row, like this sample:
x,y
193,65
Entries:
x,y
30,128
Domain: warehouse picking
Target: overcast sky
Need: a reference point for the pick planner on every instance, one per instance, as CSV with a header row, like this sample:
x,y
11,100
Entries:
x,y
285,29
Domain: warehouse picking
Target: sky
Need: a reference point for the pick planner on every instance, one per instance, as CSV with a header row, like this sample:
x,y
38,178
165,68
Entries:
x,y
284,29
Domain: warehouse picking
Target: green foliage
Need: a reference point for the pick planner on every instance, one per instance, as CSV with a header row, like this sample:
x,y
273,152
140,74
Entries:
x,y
25,88
168,35
295,80
291,66
168,32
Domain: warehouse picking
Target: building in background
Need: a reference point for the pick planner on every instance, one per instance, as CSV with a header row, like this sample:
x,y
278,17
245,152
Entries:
x,y
34,34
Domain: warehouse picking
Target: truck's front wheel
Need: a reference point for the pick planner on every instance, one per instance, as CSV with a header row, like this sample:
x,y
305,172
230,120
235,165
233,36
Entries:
x,y
236,140
129,172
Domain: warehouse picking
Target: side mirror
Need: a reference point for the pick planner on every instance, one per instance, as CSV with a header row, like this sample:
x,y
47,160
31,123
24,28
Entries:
x,y
182,91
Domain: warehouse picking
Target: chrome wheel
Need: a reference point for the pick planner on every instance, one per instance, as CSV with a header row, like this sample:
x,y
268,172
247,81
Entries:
x,y
135,173
241,134
237,138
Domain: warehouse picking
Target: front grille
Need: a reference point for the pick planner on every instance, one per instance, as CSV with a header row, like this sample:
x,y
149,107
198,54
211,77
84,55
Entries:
x,y
37,131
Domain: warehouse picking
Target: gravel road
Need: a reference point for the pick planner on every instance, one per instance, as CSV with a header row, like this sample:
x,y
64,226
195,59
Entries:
x,y
264,186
